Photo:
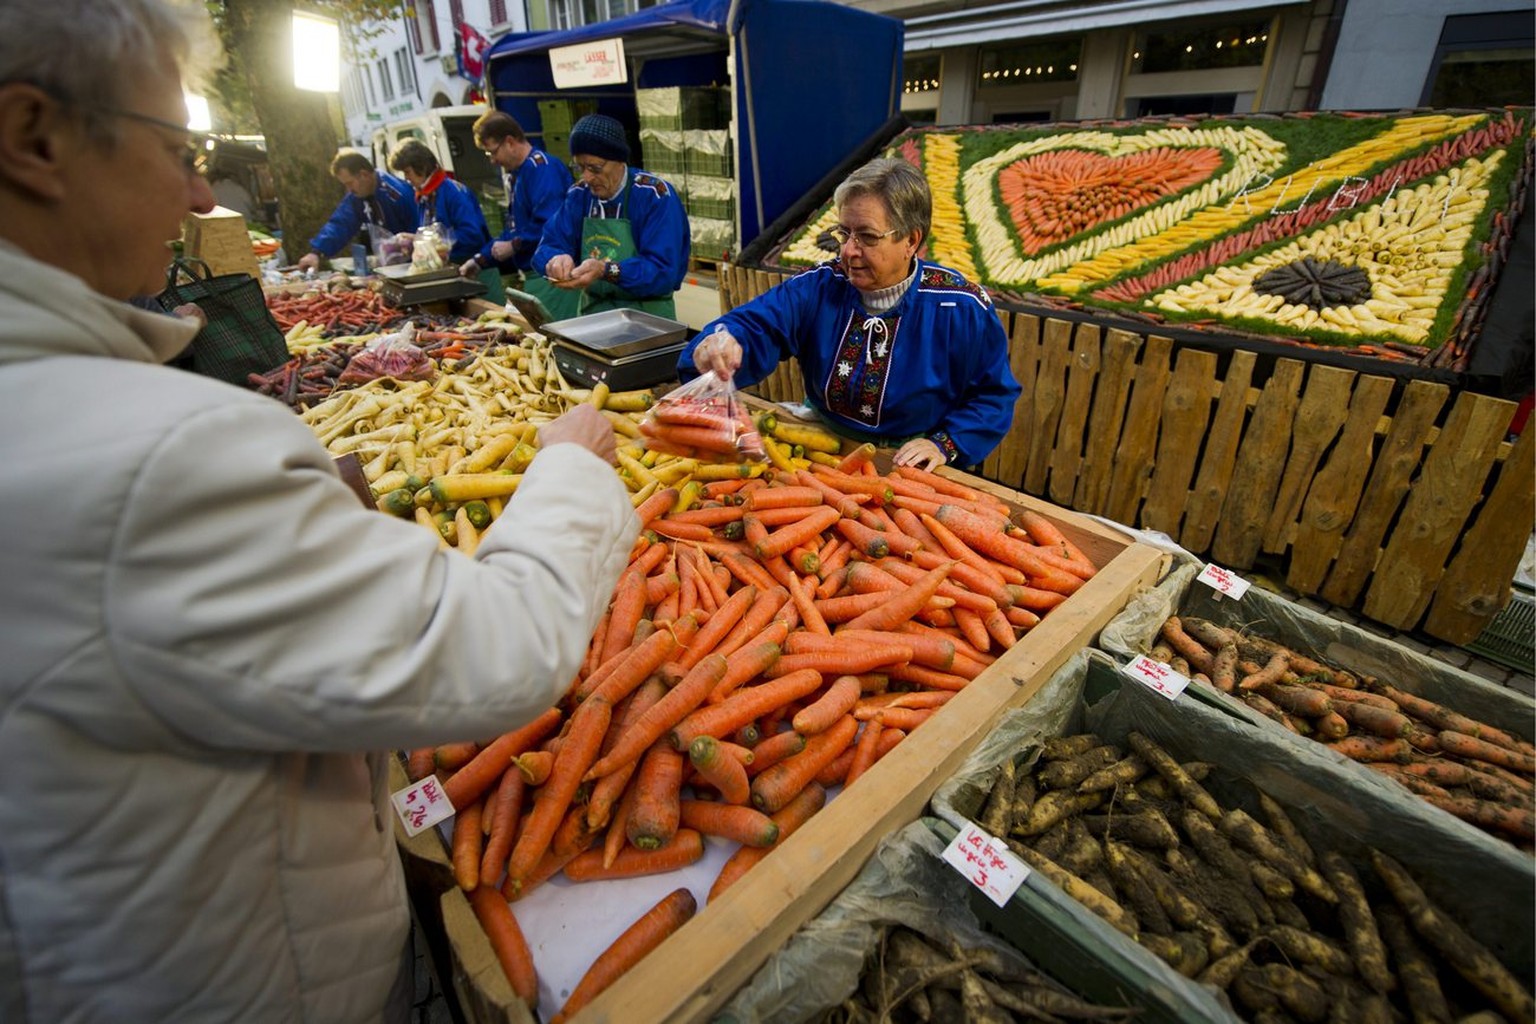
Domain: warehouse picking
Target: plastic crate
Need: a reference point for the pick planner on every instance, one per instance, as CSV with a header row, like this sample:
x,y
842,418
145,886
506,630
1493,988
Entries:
x,y
561,115
666,163
717,209
1510,639
678,107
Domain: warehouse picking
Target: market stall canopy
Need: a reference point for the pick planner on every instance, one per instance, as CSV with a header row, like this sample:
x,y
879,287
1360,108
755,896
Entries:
x,y
782,58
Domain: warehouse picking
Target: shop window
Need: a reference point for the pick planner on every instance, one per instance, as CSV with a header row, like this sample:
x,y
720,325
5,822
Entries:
x,y
413,31
1483,60
403,70
386,83
921,74
1174,48
1045,60
1158,106
456,12
426,14
498,12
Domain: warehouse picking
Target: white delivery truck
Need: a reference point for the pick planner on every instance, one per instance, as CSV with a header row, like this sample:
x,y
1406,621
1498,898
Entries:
x,y
449,133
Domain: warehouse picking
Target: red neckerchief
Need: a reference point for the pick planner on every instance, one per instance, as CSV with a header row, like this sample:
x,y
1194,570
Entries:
x,y
438,177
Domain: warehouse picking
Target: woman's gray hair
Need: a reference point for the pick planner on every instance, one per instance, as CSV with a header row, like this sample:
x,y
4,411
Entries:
x,y
87,52
902,188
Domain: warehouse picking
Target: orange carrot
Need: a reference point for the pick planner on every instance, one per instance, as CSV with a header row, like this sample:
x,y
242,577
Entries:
x,y
628,949
655,505
864,749
470,782
971,627
931,648
715,630
849,659
959,549
876,487
743,706
788,818
420,762
756,619
910,573
467,848
846,504
778,785
1372,748
745,825
1462,745
606,791
937,482
786,537
987,537
1023,618
625,611
450,757
682,531
503,811
667,712
872,543
906,719
800,592
686,847
507,942
774,749
721,770
903,605
659,586
869,708
783,497
641,660
1000,627
652,821
828,709
748,571
587,727
931,678
857,459
750,661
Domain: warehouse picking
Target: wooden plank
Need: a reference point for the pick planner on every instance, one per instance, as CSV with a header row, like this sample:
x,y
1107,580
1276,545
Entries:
x,y
992,465
1396,462
1186,414
1087,347
1256,476
1435,514
1117,365
695,971
1324,404
1133,457
1023,357
1335,493
1050,393
1476,586
1203,509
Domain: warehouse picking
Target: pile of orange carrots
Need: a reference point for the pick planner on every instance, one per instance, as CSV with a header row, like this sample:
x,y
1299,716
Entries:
x,y
771,640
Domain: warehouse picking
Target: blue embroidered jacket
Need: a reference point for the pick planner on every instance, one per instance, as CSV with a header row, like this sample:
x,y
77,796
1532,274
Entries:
x,y
656,219
933,365
451,205
396,205
537,189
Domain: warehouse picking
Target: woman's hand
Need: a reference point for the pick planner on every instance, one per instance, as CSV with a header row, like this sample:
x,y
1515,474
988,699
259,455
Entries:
x,y
585,426
920,452
719,353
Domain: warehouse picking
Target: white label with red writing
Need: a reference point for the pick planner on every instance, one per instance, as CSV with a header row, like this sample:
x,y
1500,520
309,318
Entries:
x,y
987,863
1223,581
1156,676
422,805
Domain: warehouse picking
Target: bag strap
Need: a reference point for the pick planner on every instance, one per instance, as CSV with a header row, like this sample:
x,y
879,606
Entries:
x,y
187,265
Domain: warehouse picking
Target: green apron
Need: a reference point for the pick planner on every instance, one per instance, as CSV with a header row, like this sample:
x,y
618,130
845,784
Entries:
x,y
562,303
611,238
494,292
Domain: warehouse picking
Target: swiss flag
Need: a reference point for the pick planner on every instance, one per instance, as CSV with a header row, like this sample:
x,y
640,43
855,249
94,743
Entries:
x,y
472,47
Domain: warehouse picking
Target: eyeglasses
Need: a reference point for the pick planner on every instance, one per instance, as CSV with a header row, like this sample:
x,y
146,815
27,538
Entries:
x,y
592,168
194,158
865,239
491,151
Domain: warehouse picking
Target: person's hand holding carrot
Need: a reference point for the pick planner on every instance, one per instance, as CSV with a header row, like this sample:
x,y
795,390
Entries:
x,y
719,353
585,426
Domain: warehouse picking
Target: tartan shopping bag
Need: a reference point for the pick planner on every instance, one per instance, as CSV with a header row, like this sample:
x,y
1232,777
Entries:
x,y
241,337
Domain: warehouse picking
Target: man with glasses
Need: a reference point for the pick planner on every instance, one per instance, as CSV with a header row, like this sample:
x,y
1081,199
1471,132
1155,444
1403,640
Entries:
x,y
620,239
536,184
205,633
893,349
373,199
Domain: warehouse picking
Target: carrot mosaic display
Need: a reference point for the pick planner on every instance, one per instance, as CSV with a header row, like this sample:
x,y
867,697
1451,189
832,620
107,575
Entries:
x,y
1380,232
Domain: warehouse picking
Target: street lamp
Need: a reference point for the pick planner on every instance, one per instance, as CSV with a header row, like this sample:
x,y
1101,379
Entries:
x,y
316,53
199,116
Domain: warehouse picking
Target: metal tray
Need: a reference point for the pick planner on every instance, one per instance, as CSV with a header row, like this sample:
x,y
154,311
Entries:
x,y
643,370
617,333
403,273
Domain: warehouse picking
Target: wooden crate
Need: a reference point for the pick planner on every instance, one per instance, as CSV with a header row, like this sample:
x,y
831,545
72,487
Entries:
x,y
219,238
696,970
1401,499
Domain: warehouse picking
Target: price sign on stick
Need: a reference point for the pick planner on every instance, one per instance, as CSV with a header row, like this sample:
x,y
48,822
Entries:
x,y
1225,582
422,805
986,862
1156,676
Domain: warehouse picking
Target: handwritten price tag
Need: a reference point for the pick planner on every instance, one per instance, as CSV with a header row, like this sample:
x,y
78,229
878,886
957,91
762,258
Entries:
x,y
1223,581
987,863
1156,676
422,805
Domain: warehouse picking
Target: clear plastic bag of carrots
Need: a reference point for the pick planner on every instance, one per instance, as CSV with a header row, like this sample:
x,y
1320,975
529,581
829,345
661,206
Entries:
x,y
704,419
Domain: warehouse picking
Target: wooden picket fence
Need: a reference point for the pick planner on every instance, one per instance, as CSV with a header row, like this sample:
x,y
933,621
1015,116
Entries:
x,y
1401,500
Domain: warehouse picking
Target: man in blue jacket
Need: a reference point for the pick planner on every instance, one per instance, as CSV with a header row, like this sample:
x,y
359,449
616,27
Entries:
x,y
373,197
536,184
620,239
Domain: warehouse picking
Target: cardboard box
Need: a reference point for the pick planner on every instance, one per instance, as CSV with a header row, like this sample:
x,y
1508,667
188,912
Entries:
x,y
696,970
219,238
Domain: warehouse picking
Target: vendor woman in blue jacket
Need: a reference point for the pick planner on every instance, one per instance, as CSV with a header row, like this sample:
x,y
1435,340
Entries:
x,y
373,197
894,349
450,205
621,236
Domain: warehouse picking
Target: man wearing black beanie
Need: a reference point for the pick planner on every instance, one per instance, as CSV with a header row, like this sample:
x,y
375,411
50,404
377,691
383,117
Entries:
x,y
621,236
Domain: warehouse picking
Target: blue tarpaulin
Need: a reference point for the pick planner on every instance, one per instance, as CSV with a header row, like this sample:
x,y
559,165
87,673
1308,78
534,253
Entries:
x,y
812,81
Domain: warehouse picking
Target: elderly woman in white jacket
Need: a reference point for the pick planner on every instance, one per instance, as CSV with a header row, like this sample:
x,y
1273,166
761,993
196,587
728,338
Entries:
x,y
204,632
